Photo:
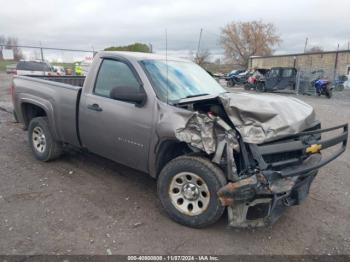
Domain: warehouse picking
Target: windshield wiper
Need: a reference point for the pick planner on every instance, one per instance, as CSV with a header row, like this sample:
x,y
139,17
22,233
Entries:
x,y
190,96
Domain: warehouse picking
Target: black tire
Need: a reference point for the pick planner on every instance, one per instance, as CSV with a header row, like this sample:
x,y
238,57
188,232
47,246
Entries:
x,y
260,87
52,149
212,176
329,93
230,83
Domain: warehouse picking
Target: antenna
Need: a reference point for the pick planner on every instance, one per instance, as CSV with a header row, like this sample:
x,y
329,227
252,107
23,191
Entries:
x,y
306,40
199,42
166,62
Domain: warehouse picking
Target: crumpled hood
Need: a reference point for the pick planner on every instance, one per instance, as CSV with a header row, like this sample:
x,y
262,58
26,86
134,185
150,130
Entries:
x,y
265,117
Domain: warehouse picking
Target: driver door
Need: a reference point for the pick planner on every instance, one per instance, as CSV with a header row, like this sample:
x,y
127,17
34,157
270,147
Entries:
x,y
287,79
272,79
118,130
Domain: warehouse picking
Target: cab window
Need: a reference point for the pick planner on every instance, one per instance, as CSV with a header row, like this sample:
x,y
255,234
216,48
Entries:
x,y
274,73
114,74
287,73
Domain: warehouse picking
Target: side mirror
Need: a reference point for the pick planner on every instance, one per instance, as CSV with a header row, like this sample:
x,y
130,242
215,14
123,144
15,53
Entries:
x,y
128,94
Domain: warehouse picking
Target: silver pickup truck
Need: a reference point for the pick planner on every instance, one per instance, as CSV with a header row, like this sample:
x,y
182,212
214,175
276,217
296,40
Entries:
x,y
209,149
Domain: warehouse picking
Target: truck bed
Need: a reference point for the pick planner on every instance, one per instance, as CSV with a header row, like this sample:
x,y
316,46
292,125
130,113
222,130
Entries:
x,y
58,95
70,80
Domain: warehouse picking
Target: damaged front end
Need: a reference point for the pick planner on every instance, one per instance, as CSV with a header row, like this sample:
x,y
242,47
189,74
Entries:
x,y
284,171
266,171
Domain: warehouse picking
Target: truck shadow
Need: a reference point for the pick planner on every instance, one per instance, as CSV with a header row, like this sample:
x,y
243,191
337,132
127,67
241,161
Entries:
x,y
126,190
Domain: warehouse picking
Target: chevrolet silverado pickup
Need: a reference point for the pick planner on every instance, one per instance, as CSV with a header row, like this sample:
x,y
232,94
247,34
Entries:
x,y
210,150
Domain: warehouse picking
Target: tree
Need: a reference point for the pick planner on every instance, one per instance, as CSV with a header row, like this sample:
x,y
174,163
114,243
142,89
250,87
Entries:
x,y
10,43
241,40
315,49
202,57
2,42
136,47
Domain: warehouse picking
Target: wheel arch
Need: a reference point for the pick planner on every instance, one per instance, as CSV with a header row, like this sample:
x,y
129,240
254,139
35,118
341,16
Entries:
x,y
167,151
31,108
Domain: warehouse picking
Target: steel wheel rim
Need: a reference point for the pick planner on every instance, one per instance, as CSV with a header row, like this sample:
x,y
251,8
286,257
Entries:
x,y
39,139
189,193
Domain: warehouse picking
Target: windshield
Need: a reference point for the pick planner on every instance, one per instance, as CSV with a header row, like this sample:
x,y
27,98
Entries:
x,y
181,80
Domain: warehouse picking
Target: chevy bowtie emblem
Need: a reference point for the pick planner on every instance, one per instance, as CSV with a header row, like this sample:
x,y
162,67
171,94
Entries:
x,y
315,148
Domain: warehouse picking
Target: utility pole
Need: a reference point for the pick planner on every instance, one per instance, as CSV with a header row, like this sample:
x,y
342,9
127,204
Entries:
x,y
93,51
306,40
347,57
41,53
199,41
336,63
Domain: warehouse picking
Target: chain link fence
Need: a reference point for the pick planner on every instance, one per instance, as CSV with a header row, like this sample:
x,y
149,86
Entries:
x,y
64,58
305,80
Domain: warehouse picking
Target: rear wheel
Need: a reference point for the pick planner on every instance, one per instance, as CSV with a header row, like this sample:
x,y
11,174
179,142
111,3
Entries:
x,y
187,188
44,147
230,83
329,93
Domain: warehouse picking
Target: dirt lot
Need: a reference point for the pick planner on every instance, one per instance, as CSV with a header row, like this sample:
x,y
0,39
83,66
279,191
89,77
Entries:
x,y
84,204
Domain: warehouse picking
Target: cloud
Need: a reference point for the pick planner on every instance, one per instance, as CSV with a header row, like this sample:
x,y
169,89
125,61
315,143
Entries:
x,y
83,24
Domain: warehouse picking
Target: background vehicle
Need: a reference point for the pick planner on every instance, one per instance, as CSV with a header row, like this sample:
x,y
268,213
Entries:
x,y
256,78
174,121
239,78
59,70
339,82
323,87
347,82
279,78
38,68
11,69
234,72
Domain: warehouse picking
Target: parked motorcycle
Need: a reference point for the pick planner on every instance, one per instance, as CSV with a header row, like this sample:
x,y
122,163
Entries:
x,y
238,79
256,80
323,87
251,83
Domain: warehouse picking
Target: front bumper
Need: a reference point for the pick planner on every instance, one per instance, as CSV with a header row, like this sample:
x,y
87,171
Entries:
x,y
284,173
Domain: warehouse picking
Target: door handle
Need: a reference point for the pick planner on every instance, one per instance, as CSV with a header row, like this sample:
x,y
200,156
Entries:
x,y
95,107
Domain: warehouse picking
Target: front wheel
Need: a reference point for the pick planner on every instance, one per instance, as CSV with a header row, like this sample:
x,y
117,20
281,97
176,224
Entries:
x,y
187,188
247,87
230,83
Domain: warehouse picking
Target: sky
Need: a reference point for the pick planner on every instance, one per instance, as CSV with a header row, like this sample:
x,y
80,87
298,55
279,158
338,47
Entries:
x,y
101,23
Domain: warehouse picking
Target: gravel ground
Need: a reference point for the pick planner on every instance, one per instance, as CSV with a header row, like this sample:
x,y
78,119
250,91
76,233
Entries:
x,y
84,204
